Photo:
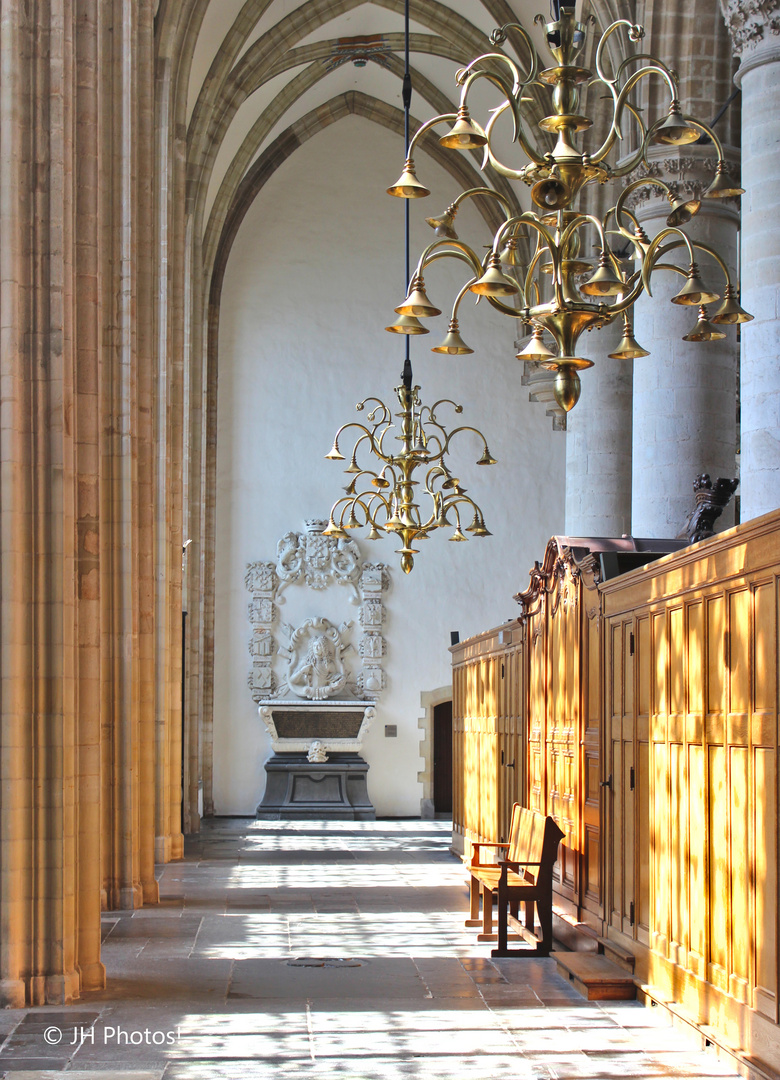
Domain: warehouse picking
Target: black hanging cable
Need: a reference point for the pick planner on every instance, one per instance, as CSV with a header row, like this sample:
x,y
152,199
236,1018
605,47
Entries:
x,y
406,97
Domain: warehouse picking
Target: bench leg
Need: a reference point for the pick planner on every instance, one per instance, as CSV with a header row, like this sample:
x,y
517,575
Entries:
x,y
544,911
473,919
487,916
529,916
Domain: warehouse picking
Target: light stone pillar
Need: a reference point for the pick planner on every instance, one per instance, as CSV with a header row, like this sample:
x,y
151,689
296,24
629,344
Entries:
x,y
685,392
598,442
756,39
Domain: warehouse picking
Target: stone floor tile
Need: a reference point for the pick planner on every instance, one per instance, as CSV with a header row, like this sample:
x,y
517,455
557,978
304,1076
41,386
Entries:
x,y
335,951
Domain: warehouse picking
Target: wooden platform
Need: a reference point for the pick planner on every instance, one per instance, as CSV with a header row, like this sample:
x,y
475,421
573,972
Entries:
x,y
596,977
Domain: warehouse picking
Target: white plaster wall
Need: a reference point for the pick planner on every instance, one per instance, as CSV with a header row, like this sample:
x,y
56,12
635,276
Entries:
x,y
312,279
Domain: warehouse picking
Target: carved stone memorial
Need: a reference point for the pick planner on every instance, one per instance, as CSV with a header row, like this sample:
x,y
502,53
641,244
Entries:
x,y
315,707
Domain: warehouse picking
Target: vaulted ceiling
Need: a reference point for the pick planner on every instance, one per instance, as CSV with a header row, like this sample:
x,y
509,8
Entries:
x,y
257,78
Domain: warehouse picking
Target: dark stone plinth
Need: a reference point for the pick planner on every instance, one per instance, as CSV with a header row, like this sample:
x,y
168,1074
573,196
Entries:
x,y
298,789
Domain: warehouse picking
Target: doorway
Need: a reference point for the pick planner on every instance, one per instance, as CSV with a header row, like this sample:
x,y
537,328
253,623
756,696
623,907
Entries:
x,y
442,758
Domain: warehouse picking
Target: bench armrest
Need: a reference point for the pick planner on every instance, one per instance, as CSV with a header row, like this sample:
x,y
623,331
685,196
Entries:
x,y
483,844
510,864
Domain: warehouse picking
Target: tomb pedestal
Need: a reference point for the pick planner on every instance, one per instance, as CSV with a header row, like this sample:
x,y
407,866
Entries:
x,y
299,789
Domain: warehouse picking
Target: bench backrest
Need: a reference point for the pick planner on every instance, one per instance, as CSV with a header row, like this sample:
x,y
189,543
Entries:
x,y
533,838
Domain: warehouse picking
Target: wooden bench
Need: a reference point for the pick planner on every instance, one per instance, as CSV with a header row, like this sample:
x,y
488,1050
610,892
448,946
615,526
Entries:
x,y
523,874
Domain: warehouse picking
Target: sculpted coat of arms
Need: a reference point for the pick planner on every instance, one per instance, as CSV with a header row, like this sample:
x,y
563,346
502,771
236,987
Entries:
x,y
308,661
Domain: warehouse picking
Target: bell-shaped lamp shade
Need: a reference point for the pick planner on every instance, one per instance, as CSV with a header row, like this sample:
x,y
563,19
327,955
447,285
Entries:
x,y
682,211
458,535
674,131
731,311
550,194
407,324
694,292
453,344
417,303
335,454
487,458
629,348
536,349
335,530
603,281
407,186
443,224
510,253
464,133
493,282
704,330
722,187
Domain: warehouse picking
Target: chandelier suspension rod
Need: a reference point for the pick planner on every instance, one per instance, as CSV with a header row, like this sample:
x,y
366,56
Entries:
x,y
406,96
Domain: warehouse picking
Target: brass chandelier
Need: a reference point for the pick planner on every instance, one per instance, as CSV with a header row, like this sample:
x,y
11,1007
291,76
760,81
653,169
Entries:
x,y
549,291
382,495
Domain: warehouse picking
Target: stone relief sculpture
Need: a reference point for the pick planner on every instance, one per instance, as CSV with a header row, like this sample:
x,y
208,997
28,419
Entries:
x,y
316,666
289,661
317,560
316,753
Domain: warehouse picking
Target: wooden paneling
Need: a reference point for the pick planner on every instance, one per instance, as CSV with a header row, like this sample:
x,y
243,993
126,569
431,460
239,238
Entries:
x,y
488,732
694,843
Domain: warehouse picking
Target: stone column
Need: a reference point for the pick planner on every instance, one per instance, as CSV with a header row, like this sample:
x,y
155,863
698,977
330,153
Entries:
x,y
598,442
685,419
684,392
755,33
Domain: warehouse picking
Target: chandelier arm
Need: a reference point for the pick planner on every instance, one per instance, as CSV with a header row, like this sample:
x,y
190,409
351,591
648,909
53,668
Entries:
x,y
530,151
464,427
714,254
464,289
455,249
620,103
499,36
654,252
635,33
578,222
344,427
528,217
442,401
421,130
386,414
532,269
619,209
694,123
471,192
465,76
434,438
375,445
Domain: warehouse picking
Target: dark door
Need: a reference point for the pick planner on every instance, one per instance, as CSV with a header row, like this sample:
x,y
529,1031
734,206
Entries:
x,y
442,758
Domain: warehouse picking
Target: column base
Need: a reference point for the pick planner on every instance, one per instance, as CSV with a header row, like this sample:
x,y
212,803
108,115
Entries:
x,y
54,989
13,994
151,892
93,976
162,849
298,789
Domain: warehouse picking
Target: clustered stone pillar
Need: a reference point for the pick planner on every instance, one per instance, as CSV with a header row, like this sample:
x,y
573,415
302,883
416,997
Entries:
x,y
86,682
755,32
